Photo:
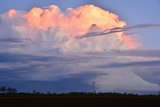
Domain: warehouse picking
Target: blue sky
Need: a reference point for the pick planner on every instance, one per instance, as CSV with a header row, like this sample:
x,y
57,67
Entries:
x,y
35,63
133,12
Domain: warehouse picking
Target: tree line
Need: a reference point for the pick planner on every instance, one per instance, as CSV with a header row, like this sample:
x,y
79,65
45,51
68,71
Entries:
x,y
7,90
11,90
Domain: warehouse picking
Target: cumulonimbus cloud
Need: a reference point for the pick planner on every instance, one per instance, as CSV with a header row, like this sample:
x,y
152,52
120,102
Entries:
x,y
55,29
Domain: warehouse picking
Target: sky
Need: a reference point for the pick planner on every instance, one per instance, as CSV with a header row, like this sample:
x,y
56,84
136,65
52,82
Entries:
x,y
72,43
133,12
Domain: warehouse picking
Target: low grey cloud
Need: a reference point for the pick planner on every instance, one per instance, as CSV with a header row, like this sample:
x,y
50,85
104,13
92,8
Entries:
x,y
110,70
128,64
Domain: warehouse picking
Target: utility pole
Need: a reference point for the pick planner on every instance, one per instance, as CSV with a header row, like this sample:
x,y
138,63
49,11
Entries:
x,y
93,86
159,91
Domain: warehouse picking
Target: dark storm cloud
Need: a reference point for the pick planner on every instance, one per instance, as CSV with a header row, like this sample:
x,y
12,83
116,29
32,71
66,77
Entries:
x,y
77,72
11,40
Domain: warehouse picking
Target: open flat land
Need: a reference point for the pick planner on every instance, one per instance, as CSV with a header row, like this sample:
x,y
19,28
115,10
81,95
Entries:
x,y
79,101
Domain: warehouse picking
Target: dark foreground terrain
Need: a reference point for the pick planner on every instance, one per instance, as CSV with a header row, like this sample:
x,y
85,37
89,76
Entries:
x,y
79,101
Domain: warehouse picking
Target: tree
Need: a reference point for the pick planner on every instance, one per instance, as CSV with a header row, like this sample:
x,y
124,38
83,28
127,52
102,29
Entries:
x,y
14,90
11,90
3,89
34,92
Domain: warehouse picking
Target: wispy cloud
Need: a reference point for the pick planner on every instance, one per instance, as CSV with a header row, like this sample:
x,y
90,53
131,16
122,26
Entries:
x,y
117,29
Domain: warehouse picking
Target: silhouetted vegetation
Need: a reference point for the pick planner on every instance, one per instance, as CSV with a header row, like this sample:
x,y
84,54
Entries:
x,y
9,97
7,90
